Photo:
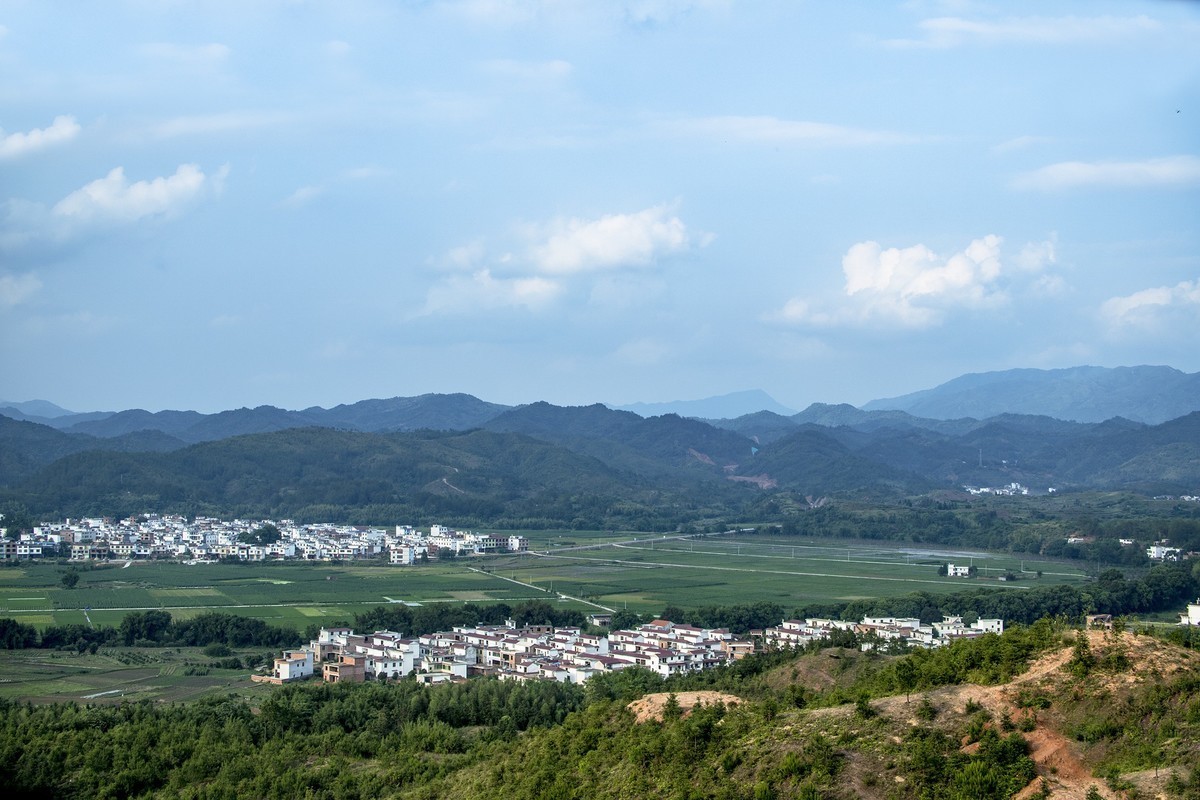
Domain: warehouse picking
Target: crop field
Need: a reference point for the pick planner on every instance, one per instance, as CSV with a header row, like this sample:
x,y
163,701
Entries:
x,y
585,570
112,675
642,572
293,594
648,574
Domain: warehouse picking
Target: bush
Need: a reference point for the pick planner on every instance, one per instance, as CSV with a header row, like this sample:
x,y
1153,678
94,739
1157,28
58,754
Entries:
x,y
926,711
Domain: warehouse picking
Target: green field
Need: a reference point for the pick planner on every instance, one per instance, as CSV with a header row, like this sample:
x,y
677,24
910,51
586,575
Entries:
x,y
642,572
113,675
723,570
295,594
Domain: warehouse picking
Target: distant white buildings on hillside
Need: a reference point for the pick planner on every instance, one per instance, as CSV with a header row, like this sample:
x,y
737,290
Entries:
x,y
909,631
1011,490
152,536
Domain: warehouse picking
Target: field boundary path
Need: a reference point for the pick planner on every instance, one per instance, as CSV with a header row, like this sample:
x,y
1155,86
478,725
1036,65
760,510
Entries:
x,y
562,595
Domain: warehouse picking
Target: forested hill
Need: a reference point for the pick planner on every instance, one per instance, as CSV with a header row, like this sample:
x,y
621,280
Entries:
x,y
1039,710
543,465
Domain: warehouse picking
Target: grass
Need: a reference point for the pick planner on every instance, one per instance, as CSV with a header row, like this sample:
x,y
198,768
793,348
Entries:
x,y
723,570
644,575
113,675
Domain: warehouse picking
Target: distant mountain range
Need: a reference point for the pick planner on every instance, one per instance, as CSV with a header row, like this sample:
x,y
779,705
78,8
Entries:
x,y
455,457
726,406
1081,394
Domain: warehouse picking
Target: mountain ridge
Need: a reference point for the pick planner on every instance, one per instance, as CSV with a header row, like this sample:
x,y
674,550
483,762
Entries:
x,y
1150,394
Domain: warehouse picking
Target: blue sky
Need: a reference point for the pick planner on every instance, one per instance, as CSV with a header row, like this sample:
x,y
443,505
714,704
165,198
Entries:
x,y
216,204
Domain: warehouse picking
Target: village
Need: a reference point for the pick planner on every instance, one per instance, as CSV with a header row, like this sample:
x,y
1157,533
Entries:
x,y
542,652
206,539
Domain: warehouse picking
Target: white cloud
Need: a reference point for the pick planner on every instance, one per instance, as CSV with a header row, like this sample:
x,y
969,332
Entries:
x,y
114,198
915,287
481,291
16,289
613,241
337,48
64,128
774,131
944,32
1170,171
556,256
1152,310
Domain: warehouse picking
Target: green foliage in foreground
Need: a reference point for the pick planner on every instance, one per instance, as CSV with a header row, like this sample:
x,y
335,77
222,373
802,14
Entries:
x,y
408,740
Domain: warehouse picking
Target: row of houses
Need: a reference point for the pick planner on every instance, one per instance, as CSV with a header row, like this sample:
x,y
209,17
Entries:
x,y
535,652
542,652
878,630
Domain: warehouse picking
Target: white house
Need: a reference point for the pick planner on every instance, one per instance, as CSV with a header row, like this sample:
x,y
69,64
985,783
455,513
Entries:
x,y
295,665
1161,552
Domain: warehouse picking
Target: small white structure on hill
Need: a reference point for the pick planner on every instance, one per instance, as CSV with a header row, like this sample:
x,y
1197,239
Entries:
x,y
1192,617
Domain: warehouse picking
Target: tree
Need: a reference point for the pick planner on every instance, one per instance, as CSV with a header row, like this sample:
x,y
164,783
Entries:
x,y
70,578
15,520
906,676
1082,660
264,534
150,626
674,614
